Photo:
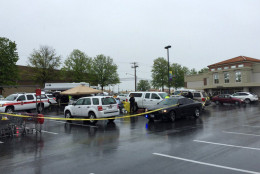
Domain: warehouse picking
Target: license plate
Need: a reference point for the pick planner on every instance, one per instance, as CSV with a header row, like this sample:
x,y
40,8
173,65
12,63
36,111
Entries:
x,y
152,115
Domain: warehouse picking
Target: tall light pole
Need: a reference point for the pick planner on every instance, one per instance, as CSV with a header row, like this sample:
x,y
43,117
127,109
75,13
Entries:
x,y
135,66
167,48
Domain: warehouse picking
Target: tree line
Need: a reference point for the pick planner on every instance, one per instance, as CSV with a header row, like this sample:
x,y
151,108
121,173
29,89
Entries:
x,y
79,67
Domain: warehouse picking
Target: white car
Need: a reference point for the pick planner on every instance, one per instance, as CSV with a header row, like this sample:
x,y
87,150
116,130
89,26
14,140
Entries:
x,y
23,101
93,107
52,99
122,97
247,97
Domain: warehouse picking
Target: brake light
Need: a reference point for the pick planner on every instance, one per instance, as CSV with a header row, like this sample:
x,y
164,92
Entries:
x,y
100,108
126,100
54,98
203,99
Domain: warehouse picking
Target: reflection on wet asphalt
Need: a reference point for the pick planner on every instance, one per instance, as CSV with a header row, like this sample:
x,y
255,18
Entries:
x,y
127,145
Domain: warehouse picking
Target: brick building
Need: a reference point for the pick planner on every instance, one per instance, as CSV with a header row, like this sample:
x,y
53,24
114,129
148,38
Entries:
x,y
236,74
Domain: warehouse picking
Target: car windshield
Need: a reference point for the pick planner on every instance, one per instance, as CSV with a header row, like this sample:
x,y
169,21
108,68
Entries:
x,y
176,92
11,97
163,95
108,101
168,101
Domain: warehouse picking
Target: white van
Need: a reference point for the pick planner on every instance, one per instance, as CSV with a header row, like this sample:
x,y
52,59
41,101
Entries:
x,y
146,99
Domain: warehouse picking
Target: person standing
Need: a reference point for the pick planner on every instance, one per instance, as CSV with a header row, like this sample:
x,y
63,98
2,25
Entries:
x,y
132,103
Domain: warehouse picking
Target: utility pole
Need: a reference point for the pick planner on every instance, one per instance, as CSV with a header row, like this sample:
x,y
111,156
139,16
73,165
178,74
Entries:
x,y
135,66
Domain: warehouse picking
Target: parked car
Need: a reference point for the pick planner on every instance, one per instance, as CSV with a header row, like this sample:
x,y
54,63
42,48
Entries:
x,y
226,98
247,97
23,101
174,107
146,99
202,97
182,92
52,99
93,107
1,97
122,97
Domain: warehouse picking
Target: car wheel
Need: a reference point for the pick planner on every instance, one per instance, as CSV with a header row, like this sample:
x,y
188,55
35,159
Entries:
x,y
197,113
68,114
92,116
135,108
237,103
172,116
217,102
247,101
9,109
111,120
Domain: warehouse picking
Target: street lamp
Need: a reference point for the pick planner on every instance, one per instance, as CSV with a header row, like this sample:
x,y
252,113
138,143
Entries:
x,y
167,47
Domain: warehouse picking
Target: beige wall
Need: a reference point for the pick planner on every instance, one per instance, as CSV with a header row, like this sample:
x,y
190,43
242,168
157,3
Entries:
x,y
195,85
12,90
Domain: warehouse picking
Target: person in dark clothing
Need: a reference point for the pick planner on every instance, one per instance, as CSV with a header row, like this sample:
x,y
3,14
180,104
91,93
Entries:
x,y
189,95
132,103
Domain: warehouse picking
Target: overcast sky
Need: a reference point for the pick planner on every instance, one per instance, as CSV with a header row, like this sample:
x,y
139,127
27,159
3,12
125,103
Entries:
x,y
201,32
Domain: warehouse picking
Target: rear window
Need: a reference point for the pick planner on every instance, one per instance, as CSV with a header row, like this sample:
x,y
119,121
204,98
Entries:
x,y
196,94
95,101
50,95
136,94
108,101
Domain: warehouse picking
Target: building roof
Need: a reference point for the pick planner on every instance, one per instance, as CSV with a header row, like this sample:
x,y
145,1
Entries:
x,y
236,59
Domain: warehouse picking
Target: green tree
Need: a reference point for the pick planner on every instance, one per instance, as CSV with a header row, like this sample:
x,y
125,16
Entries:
x,y
143,85
193,71
203,70
160,73
77,66
104,71
44,61
8,59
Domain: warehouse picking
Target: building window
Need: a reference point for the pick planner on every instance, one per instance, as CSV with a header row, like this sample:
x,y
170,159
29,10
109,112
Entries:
x,y
233,66
238,76
213,69
219,68
226,77
242,65
226,67
215,77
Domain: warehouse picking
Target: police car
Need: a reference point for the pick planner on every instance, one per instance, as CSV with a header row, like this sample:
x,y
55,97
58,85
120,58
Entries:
x,y
23,101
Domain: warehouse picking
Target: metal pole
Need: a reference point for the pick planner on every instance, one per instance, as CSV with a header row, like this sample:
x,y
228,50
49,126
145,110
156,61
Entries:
x,y
135,79
168,72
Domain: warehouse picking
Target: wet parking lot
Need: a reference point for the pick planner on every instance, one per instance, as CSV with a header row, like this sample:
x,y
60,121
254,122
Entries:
x,y
225,139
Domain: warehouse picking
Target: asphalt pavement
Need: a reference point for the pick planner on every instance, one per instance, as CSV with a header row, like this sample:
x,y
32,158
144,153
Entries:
x,y
225,139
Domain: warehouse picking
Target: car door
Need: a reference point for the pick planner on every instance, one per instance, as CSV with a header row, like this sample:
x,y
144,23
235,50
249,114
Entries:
x,y
85,107
182,107
77,107
20,103
146,100
190,106
30,103
154,99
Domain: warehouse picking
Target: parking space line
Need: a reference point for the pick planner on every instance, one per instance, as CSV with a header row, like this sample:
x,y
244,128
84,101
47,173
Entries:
x,y
207,164
72,123
238,133
229,145
49,132
251,126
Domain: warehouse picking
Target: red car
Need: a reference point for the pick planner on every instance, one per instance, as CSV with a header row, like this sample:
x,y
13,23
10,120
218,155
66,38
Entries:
x,y
226,98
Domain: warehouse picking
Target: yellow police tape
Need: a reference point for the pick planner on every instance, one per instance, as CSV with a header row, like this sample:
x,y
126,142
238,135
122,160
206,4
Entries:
x,y
88,119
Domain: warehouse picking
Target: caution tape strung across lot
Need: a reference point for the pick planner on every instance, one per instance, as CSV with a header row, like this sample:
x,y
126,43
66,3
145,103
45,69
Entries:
x,y
88,119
